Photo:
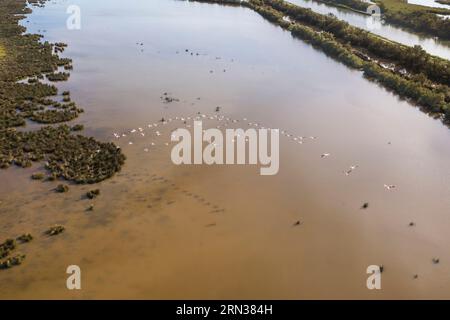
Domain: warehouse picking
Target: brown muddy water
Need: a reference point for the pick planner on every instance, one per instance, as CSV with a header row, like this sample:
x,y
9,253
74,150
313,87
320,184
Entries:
x,y
165,231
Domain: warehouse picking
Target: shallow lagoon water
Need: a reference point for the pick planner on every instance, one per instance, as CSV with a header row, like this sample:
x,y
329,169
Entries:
x,y
165,231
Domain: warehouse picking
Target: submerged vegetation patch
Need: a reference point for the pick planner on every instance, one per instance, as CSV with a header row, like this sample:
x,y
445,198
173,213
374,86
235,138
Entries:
x,y
59,76
72,157
7,257
38,176
13,261
55,230
54,116
92,194
26,237
66,154
62,188
7,247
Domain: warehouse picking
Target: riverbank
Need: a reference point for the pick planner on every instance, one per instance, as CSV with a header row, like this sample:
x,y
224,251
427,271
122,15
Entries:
x,y
416,18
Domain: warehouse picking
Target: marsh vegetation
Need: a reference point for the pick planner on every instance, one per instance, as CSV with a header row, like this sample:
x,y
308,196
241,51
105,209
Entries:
x,y
6,249
72,157
55,230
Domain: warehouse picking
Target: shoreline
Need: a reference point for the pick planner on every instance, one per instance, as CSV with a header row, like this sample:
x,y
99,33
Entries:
x,y
411,17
